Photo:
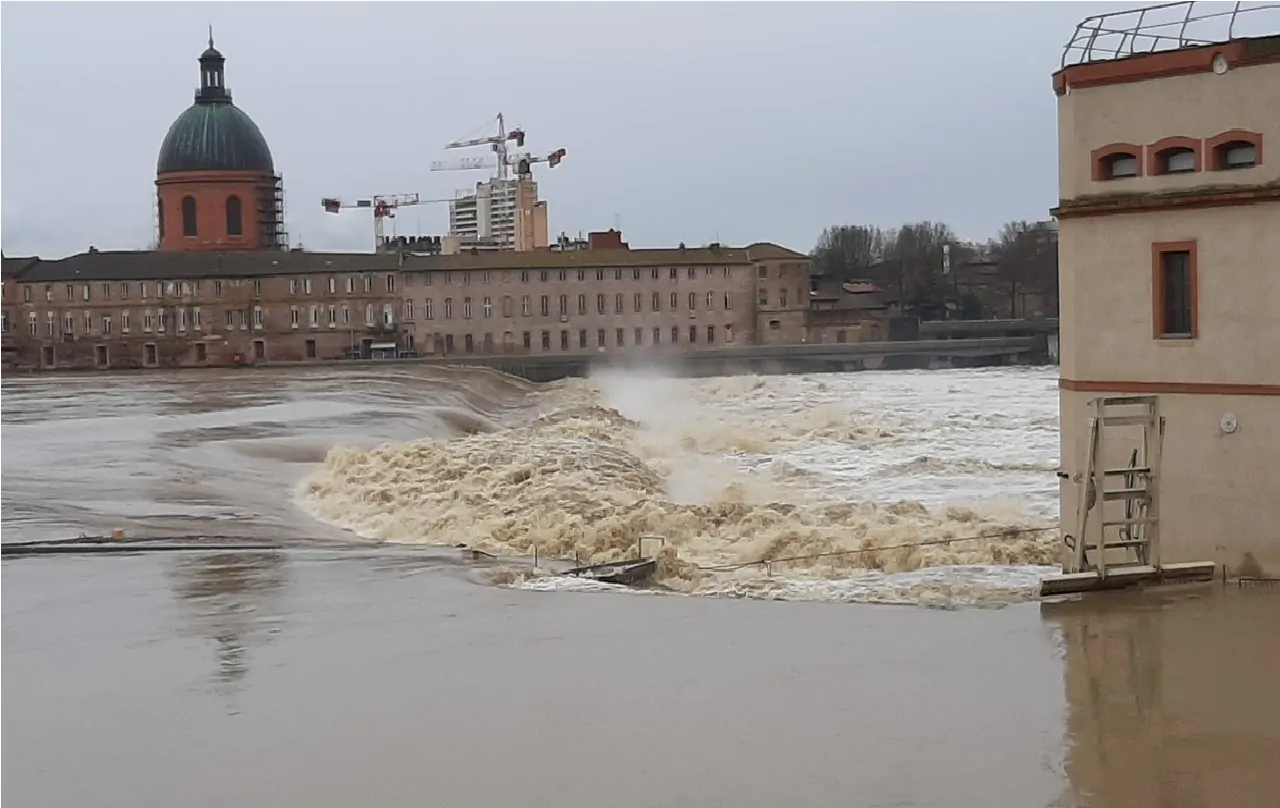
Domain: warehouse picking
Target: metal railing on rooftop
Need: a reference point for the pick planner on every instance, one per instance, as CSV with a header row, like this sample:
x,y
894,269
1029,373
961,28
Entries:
x,y
1167,27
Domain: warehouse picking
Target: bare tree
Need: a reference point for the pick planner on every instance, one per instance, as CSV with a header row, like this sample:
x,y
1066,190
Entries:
x,y
846,252
1028,256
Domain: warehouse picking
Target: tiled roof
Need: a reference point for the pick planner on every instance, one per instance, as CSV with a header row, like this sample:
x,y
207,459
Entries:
x,y
147,265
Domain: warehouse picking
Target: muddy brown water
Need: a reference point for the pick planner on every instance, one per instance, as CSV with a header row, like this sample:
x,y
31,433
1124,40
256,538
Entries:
x,y
325,676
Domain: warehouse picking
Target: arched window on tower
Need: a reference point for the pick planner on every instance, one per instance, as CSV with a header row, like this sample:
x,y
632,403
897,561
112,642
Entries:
x,y
160,215
189,216
235,226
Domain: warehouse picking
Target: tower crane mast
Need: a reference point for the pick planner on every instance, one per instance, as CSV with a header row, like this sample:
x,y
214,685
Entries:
x,y
497,142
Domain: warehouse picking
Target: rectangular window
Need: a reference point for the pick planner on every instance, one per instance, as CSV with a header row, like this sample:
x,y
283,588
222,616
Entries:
x,y
564,305
391,282
675,301
728,300
306,286
506,306
488,307
582,338
675,273
693,333
546,340
217,288
782,298
333,315
546,306
639,333
1174,305
657,335
257,317
617,303
124,321
693,301
257,287
88,322
582,305
426,309
542,276
711,300
524,307
313,317
564,340
106,324
106,291
600,304
711,333
657,301
333,285
351,285
528,342
448,308
653,273
600,338
466,308
407,314
293,286
638,302
293,316
368,284
620,338
196,322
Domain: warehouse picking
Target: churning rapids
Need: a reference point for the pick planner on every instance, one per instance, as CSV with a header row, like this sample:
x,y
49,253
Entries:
x,y
829,478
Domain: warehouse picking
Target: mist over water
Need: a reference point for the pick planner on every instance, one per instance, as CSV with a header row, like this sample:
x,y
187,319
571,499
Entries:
x,y
824,476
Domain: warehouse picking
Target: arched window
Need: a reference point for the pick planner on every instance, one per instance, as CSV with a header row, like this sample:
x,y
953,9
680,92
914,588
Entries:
x,y
1233,150
1174,155
160,215
189,216
235,224
1237,154
1118,166
1177,161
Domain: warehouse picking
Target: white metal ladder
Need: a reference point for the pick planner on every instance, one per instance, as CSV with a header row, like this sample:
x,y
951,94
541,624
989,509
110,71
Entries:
x,y
1118,511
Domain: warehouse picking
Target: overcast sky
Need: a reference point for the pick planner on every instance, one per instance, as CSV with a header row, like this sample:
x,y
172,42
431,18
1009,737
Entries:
x,y
683,121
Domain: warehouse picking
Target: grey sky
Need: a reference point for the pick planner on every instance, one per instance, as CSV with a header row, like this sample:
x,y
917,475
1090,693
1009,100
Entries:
x,y
682,121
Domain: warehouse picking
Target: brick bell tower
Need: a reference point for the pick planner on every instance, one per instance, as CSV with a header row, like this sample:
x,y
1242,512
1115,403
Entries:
x,y
216,185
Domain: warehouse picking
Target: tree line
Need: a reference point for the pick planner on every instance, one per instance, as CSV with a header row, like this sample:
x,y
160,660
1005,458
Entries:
x,y
911,261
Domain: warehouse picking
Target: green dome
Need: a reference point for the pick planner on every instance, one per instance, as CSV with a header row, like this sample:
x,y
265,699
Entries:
x,y
214,136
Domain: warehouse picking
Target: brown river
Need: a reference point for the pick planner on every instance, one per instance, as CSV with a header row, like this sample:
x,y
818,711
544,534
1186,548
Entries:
x,y
792,651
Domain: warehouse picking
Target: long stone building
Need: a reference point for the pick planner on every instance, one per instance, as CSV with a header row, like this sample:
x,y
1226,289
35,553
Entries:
x,y
169,309
222,288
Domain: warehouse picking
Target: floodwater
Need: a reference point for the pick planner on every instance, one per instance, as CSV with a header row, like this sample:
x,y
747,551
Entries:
x,y
366,664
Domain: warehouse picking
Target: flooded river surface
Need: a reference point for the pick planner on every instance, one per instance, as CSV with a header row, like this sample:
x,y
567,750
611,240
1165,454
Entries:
x,y
369,663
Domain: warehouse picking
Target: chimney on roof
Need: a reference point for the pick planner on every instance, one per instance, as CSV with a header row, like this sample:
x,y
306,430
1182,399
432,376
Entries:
x,y
606,240
93,250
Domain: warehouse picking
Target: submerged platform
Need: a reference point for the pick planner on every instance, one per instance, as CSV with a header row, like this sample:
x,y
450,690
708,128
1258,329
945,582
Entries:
x,y
1126,576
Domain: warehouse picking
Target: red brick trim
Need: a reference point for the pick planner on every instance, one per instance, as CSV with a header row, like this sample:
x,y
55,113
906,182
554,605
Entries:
x,y
1155,153
1213,146
1185,388
1158,251
1164,64
1098,158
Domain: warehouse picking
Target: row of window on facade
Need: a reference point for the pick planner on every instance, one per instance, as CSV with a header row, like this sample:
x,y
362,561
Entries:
x,y
233,208
446,343
159,320
465,277
562,309
163,289
1178,155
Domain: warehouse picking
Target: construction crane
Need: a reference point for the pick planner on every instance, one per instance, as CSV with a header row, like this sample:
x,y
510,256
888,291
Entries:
x,y
521,162
497,142
383,206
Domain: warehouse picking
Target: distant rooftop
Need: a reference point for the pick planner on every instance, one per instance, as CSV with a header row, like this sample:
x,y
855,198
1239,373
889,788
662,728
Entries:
x,y
1168,27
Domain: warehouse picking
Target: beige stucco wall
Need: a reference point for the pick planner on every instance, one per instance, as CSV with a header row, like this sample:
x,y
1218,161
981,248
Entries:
x,y
1196,106
1219,493
1106,297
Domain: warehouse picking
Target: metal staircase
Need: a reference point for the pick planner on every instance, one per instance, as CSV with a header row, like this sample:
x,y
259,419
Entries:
x,y
1116,541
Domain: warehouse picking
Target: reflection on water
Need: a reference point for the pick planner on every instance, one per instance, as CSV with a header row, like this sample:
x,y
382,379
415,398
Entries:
x,y
230,598
1173,697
